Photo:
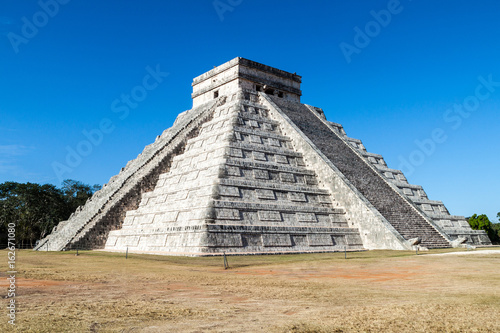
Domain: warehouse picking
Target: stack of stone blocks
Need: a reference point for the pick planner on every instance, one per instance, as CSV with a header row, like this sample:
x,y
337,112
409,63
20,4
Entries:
x,y
239,187
455,226
246,171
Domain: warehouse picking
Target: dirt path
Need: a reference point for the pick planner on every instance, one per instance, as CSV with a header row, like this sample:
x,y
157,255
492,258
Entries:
x,y
464,253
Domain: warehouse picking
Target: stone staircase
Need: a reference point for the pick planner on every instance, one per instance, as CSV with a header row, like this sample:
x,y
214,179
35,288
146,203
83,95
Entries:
x,y
239,187
456,227
89,226
248,170
267,186
397,210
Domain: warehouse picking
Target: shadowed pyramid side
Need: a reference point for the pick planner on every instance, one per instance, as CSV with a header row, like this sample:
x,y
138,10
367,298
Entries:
x,y
456,227
394,208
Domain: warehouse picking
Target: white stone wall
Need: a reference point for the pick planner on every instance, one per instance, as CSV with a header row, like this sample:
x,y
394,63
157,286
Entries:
x,y
240,73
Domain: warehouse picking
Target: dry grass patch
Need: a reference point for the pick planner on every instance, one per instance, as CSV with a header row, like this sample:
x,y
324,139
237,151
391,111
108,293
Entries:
x,y
373,291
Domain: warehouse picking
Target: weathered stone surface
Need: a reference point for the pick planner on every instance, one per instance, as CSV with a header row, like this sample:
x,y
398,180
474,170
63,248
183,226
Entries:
x,y
252,170
397,210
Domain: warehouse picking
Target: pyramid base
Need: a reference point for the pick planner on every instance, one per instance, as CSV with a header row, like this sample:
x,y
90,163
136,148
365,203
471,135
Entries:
x,y
219,254
217,239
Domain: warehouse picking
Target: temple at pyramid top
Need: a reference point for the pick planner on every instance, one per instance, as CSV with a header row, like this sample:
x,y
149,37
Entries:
x,y
252,170
240,73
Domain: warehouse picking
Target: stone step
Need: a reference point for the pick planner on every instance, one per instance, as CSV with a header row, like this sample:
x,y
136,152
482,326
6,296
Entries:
x,y
258,118
260,133
273,186
303,208
264,149
270,166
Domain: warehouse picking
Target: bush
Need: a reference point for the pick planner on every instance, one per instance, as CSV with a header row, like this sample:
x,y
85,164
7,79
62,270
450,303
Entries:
x,y
482,222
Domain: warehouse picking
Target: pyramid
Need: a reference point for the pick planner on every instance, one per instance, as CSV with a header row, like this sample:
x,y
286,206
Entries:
x,y
251,170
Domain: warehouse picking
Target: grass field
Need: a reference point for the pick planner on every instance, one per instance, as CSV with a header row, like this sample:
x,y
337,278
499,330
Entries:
x,y
375,291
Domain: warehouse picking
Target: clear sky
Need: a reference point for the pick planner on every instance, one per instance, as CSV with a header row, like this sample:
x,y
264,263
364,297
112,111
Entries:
x,y
417,81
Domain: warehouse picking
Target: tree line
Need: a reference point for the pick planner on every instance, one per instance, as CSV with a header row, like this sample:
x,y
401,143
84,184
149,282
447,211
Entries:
x,y
36,209
482,222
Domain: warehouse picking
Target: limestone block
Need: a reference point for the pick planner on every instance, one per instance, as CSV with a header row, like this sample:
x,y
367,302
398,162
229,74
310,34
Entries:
x,y
446,223
269,215
338,218
287,177
235,152
259,156
152,240
189,176
324,198
276,240
111,241
128,220
131,241
426,207
348,239
265,194
255,139
166,217
320,240
261,174
306,217
300,240
267,127
297,196
464,223
253,123
232,171
227,214
281,159
192,215
274,142
229,191
224,240
176,196
144,219
251,240
407,191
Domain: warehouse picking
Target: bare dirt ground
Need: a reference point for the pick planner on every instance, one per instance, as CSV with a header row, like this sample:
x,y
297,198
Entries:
x,y
375,291
465,253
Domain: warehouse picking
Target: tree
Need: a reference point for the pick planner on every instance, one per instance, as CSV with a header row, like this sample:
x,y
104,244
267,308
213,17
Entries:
x,y
36,209
496,228
482,222
77,193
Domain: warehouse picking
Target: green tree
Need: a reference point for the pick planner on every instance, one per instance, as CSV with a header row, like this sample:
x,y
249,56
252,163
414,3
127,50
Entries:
x,y
482,222
77,193
496,228
36,209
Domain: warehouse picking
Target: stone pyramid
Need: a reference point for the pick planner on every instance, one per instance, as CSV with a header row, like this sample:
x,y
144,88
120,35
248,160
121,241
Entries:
x,y
251,170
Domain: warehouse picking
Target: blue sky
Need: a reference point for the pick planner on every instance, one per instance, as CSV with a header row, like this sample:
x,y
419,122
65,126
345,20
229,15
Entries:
x,y
410,85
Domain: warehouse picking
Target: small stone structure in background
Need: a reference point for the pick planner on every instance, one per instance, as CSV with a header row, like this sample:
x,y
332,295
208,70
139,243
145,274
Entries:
x,y
250,170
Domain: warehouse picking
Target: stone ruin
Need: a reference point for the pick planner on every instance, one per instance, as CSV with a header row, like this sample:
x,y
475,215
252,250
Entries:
x,y
251,170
